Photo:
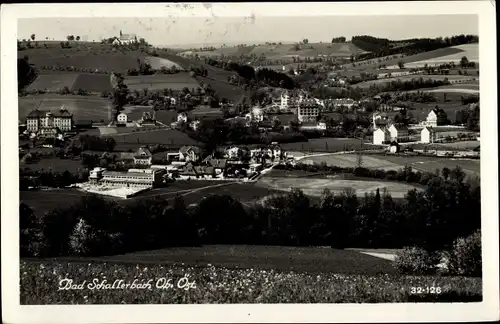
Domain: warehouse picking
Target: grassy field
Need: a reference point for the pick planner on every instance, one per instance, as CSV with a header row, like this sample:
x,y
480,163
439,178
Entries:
x,y
55,164
430,164
350,160
82,108
158,62
471,51
327,144
220,285
159,82
92,82
403,78
160,136
315,187
42,201
53,82
286,51
94,57
435,56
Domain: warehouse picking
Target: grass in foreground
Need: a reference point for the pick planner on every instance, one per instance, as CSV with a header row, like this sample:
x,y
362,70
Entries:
x,y
176,285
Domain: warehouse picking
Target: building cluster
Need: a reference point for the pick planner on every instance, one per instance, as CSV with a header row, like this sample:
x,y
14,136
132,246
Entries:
x,y
189,163
125,39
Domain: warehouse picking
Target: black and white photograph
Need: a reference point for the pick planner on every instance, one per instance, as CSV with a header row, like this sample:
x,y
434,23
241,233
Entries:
x,y
289,154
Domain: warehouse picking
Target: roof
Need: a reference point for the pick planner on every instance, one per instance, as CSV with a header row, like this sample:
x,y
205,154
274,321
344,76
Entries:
x,y
143,152
130,174
42,113
126,156
127,37
194,149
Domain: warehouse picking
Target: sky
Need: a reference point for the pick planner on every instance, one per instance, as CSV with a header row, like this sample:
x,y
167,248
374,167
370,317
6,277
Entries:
x,y
232,30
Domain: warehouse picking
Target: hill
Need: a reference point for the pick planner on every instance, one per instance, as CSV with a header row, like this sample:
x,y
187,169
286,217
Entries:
x,y
283,51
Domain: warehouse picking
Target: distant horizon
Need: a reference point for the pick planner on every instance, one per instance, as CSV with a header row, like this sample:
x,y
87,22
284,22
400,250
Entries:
x,y
202,31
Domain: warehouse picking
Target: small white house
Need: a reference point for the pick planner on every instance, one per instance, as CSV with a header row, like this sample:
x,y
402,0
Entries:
x,y
398,132
380,135
427,135
432,118
122,118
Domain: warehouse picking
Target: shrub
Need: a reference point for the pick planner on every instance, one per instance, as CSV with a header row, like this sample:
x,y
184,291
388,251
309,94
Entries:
x,y
465,257
32,243
416,261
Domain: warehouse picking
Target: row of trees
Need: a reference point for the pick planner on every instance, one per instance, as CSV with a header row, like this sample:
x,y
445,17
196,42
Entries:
x,y
432,218
26,73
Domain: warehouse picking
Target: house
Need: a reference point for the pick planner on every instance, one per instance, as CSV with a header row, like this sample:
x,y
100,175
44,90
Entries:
x,y
143,156
218,165
399,132
319,126
190,154
343,102
233,152
380,136
48,123
394,147
437,134
256,115
436,117
283,119
122,118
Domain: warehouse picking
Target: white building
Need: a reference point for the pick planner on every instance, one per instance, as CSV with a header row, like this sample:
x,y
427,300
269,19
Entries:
x,y
133,178
46,122
256,115
125,39
122,118
143,156
399,132
380,136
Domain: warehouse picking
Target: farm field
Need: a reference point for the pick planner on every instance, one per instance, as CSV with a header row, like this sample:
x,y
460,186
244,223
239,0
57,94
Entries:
x,y
43,201
315,187
160,136
435,56
471,51
421,110
464,145
159,82
222,285
157,63
92,82
222,88
327,144
403,78
286,51
82,108
105,60
53,82
465,89
430,164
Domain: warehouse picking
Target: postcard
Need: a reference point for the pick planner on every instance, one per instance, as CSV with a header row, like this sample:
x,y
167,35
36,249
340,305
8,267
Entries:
x,y
242,162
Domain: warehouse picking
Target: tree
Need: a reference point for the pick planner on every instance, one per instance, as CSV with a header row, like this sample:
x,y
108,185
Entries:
x,y
77,38
70,37
401,64
464,62
32,37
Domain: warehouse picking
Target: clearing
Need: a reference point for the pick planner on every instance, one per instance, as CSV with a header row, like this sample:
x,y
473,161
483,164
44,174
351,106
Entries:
x,y
328,144
430,164
55,82
403,78
471,51
350,160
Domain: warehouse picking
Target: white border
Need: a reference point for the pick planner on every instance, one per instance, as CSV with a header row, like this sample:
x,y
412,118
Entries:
x,y
14,313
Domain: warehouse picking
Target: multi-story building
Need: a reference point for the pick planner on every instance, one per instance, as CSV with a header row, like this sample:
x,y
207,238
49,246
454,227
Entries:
x,y
399,132
146,178
143,156
48,123
308,111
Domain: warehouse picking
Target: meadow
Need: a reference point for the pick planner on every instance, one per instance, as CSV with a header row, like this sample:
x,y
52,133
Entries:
x,y
95,57
350,160
157,63
170,137
404,78
82,108
286,51
328,144
315,187
219,285
430,164
158,82
55,82
471,51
